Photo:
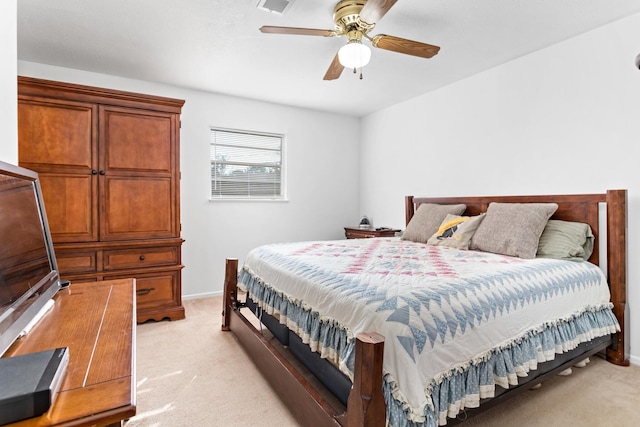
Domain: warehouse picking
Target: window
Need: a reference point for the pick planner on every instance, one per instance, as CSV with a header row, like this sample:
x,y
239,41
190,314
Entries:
x,y
246,165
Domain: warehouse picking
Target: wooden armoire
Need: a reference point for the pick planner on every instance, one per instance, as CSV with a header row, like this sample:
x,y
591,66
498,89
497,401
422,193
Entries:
x,y
109,167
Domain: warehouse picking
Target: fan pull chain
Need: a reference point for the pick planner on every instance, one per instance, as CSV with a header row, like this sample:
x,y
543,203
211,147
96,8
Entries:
x,y
355,71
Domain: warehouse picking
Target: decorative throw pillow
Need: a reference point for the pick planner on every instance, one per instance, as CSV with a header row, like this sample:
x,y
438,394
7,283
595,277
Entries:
x,y
427,219
512,228
566,240
456,231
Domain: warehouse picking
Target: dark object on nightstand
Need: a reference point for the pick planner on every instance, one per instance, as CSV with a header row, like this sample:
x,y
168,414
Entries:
x,y
363,233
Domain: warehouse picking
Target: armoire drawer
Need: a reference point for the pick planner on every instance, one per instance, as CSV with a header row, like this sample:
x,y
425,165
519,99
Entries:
x,y
151,291
119,259
158,293
76,262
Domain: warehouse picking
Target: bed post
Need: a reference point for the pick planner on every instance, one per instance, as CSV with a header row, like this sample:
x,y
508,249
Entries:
x,y
409,208
230,291
617,271
366,406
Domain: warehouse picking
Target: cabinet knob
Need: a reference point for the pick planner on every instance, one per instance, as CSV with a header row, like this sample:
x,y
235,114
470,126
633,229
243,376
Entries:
x,y
141,257
94,172
102,172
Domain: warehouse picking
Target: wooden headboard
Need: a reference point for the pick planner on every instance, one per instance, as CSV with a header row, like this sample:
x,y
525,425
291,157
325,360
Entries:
x,y
580,208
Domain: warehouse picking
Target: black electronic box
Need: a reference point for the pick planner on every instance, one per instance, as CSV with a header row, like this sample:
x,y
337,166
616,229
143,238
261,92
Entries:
x,y
30,382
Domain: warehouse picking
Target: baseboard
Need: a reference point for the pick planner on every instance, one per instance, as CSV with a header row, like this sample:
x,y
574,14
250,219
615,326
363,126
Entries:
x,y
204,295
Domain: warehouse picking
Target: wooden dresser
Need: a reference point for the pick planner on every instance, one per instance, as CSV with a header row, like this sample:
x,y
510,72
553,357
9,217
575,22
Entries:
x,y
109,168
96,322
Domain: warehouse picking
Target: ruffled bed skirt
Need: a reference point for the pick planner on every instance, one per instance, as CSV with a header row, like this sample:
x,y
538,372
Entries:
x,y
450,392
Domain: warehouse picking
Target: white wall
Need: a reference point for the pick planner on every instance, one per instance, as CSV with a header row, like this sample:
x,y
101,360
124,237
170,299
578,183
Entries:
x,y
561,120
8,83
316,144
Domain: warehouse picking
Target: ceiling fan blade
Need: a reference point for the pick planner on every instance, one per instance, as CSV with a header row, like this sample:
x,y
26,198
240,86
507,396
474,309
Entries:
x,y
409,47
299,31
374,10
335,69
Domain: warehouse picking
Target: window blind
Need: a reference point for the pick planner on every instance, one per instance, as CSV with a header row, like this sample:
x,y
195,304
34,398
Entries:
x,y
245,164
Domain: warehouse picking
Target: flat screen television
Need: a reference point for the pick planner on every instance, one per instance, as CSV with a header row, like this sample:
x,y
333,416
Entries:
x,y
28,271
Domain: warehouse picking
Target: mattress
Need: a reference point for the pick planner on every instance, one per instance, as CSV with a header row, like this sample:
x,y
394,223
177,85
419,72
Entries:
x,y
457,323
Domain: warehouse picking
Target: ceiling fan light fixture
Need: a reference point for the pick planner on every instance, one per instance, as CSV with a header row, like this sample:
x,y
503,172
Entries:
x,y
354,54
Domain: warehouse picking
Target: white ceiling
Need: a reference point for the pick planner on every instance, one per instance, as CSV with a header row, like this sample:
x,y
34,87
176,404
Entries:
x,y
215,45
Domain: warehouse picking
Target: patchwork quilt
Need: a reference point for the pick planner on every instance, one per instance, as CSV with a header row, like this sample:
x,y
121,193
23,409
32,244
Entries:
x,y
456,323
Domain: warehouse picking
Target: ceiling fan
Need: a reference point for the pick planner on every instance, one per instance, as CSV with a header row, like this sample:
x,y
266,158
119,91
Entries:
x,y
354,19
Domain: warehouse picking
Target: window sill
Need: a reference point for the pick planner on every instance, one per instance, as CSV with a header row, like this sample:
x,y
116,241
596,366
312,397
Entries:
x,y
247,199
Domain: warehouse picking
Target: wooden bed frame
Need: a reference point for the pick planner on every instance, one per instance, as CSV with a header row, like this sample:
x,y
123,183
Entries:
x,y
366,406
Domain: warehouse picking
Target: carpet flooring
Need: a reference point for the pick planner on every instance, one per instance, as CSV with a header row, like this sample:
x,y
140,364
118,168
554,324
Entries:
x,y
190,373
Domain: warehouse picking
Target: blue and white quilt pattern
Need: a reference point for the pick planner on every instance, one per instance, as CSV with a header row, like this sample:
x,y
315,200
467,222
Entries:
x,y
447,315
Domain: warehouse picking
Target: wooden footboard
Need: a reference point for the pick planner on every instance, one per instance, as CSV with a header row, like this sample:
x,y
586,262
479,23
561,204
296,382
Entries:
x,y
366,405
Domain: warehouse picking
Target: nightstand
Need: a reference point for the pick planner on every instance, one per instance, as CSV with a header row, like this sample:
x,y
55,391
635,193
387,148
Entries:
x,y
363,233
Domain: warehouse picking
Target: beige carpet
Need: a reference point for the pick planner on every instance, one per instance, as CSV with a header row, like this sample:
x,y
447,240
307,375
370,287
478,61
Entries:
x,y
190,373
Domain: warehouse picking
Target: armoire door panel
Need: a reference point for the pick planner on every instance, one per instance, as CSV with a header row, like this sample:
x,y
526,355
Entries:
x,y
136,140
54,135
137,208
71,206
